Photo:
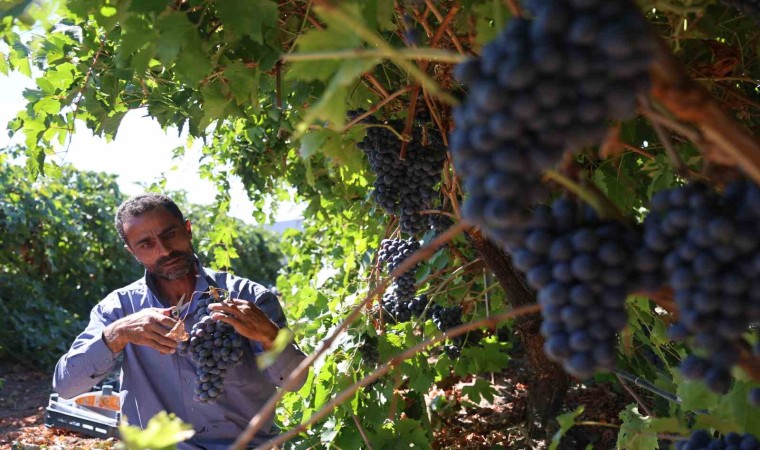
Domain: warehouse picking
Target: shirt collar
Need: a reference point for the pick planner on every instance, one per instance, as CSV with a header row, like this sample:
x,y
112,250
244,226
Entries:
x,y
201,285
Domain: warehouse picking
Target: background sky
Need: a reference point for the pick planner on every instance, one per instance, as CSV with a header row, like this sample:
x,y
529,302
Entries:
x,y
141,152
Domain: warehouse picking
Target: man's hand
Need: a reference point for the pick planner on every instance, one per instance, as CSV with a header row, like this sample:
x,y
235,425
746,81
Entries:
x,y
148,327
247,319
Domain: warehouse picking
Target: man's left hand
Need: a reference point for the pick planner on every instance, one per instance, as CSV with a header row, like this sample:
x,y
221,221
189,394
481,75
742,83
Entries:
x,y
247,319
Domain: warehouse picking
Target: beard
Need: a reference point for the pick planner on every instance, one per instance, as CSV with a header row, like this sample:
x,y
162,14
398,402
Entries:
x,y
174,266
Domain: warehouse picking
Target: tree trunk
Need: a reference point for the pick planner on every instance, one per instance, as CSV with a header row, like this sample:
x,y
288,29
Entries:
x,y
549,383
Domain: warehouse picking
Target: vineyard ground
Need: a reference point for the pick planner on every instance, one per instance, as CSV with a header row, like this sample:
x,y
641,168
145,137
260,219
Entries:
x,y
489,425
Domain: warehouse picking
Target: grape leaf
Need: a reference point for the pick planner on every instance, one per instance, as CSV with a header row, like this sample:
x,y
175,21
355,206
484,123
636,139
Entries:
x,y
566,421
284,338
248,18
163,431
176,33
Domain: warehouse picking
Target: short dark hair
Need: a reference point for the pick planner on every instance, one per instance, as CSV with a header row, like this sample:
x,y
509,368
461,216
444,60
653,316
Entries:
x,y
139,205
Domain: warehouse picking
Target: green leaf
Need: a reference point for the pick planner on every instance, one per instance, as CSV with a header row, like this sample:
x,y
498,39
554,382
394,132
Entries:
x,y
490,17
480,390
566,421
331,38
248,18
176,33
164,431
214,104
284,338
331,107
332,144
193,65
243,83
639,432
147,6
4,67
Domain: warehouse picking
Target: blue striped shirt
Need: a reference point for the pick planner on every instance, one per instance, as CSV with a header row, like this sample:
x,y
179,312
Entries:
x,y
154,382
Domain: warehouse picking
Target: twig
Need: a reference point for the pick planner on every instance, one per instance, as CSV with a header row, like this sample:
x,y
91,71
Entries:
x,y
362,432
514,8
343,396
80,93
635,396
690,134
635,149
425,54
376,84
254,425
409,120
678,165
376,107
452,36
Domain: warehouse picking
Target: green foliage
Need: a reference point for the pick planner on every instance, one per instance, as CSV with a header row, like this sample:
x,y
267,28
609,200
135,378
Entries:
x,y
163,432
59,255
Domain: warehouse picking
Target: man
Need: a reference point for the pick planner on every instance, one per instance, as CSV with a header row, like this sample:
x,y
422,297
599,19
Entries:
x,y
135,320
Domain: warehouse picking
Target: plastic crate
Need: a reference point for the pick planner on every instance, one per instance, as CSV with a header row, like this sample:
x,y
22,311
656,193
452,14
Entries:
x,y
89,427
67,414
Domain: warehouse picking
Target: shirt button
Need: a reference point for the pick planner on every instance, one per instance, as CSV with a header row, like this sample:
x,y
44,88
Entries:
x,y
106,360
187,380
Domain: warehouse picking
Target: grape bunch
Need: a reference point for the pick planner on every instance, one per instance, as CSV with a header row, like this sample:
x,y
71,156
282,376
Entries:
x,y
393,252
710,248
403,309
446,318
702,440
542,87
667,221
750,8
579,265
214,347
403,187
368,350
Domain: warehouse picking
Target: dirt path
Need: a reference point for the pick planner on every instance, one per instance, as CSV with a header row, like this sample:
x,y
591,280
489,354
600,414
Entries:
x,y
23,399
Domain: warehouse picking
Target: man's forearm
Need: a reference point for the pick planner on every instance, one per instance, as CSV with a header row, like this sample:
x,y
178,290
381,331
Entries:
x,y
114,337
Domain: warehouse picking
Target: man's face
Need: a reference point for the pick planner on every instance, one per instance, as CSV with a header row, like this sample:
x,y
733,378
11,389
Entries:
x,y
161,243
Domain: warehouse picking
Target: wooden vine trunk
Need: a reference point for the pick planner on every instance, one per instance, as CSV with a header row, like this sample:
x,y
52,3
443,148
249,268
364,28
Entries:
x,y
548,381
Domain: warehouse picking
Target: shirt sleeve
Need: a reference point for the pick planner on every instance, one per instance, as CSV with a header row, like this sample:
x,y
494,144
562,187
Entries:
x,y
88,360
291,357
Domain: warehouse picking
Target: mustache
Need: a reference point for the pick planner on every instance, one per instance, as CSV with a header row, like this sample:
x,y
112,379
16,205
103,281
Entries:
x,y
171,257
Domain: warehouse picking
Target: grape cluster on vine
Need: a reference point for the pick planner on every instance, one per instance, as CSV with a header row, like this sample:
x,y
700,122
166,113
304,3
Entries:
x,y
368,350
708,249
580,267
403,187
542,87
702,440
215,347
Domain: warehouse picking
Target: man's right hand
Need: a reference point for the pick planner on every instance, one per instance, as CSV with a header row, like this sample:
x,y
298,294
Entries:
x,y
147,327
